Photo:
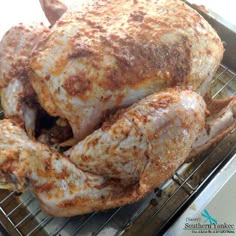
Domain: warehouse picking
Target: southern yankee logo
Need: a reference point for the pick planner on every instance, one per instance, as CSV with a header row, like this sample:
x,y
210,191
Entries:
x,y
208,224
208,217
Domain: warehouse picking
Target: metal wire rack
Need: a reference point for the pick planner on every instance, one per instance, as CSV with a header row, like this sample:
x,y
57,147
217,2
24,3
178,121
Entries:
x,y
21,215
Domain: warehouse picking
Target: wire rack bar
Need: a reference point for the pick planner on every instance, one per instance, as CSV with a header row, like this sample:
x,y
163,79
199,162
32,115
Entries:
x,y
11,222
179,182
165,203
106,222
41,224
27,200
182,180
83,224
30,214
225,69
7,197
159,209
136,214
223,87
204,160
59,229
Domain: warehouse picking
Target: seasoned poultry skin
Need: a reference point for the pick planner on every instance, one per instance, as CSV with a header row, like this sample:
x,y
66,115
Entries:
x,y
146,142
16,93
108,54
129,146
157,126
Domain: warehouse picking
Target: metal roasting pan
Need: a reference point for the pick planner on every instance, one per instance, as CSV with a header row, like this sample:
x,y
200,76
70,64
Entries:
x,y
21,215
